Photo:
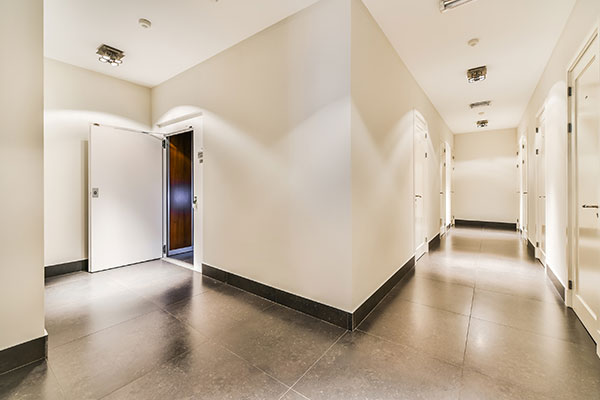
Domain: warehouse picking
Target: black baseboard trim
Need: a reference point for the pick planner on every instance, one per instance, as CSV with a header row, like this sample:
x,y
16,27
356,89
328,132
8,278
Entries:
x,y
434,243
368,305
318,310
23,354
486,224
530,250
335,316
66,268
556,283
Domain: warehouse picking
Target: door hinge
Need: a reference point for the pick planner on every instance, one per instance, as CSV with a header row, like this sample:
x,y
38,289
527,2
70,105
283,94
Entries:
x,y
570,128
201,157
164,249
570,91
537,152
537,244
425,155
570,285
164,143
537,130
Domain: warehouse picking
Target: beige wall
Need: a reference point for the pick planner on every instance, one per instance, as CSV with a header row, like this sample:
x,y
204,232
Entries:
x,y
276,116
384,95
21,172
73,99
486,176
551,94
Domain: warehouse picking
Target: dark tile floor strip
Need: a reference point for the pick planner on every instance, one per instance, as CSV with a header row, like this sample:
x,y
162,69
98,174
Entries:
x,y
455,328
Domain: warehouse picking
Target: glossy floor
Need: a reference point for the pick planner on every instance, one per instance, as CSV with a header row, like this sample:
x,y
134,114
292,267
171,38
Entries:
x,y
476,320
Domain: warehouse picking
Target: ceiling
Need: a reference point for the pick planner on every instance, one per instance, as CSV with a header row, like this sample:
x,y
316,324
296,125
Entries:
x,y
183,34
516,40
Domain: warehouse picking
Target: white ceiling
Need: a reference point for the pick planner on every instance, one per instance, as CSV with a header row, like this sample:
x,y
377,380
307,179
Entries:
x,y
516,40
183,34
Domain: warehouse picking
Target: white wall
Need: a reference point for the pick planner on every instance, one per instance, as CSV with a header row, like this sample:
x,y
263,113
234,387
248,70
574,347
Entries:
x,y
276,116
384,95
486,176
73,99
21,174
551,92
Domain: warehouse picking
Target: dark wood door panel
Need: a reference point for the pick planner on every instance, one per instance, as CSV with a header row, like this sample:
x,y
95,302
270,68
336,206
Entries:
x,y
180,191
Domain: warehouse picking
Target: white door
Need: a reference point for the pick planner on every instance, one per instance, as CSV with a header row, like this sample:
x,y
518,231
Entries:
x,y
523,187
448,190
125,198
586,94
420,176
443,168
540,152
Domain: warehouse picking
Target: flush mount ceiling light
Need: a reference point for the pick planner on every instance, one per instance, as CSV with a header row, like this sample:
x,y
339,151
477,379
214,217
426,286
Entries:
x,y
473,42
482,124
110,55
480,104
477,74
446,5
145,23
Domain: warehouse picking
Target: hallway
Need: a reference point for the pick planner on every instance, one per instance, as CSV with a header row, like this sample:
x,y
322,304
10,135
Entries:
x,y
455,328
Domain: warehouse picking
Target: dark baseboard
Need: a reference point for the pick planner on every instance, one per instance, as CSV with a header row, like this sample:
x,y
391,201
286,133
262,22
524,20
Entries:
x,y
530,250
486,224
66,268
23,354
335,316
365,308
434,243
556,283
322,311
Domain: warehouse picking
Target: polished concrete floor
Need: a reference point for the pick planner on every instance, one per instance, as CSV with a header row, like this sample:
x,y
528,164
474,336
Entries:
x,y
477,320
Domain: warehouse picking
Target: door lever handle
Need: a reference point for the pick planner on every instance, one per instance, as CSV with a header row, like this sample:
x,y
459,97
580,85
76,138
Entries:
x,y
418,195
590,206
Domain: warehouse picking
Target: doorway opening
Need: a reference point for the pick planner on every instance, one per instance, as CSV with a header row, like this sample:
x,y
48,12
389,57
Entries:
x,y
584,187
180,196
420,131
445,188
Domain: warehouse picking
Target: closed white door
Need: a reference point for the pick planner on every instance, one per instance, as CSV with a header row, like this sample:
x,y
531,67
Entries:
x,y
586,87
541,189
125,198
443,194
420,184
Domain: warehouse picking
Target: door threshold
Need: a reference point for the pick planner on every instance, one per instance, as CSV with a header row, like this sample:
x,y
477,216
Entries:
x,y
179,263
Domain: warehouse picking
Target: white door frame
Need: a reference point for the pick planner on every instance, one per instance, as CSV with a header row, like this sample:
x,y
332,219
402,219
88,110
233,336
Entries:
x,y
523,182
573,206
420,125
185,123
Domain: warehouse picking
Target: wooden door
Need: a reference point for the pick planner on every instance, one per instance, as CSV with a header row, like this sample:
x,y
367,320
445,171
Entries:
x,y
180,193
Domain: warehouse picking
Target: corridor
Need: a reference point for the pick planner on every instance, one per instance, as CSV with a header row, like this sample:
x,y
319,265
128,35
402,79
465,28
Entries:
x,y
455,328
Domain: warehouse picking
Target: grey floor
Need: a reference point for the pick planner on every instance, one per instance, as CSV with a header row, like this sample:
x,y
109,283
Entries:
x,y
477,320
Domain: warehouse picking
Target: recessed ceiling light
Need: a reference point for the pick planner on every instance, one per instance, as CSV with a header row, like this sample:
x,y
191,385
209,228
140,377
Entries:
x,y
482,124
144,23
446,5
477,74
480,104
473,42
110,55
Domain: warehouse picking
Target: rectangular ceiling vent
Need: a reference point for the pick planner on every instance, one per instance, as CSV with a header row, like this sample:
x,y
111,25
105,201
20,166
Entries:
x,y
446,5
486,103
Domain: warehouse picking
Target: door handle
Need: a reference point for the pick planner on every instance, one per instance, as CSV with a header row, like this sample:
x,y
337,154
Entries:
x,y
419,196
589,206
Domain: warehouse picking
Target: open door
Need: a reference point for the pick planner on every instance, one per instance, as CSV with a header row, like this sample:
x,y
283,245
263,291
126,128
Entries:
x,y
585,81
180,195
420,184
125,197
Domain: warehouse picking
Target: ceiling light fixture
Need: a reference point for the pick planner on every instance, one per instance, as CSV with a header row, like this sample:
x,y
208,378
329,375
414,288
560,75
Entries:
x,y
446,5
145,23
480,104
110,55
477,74
473,42
482,124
